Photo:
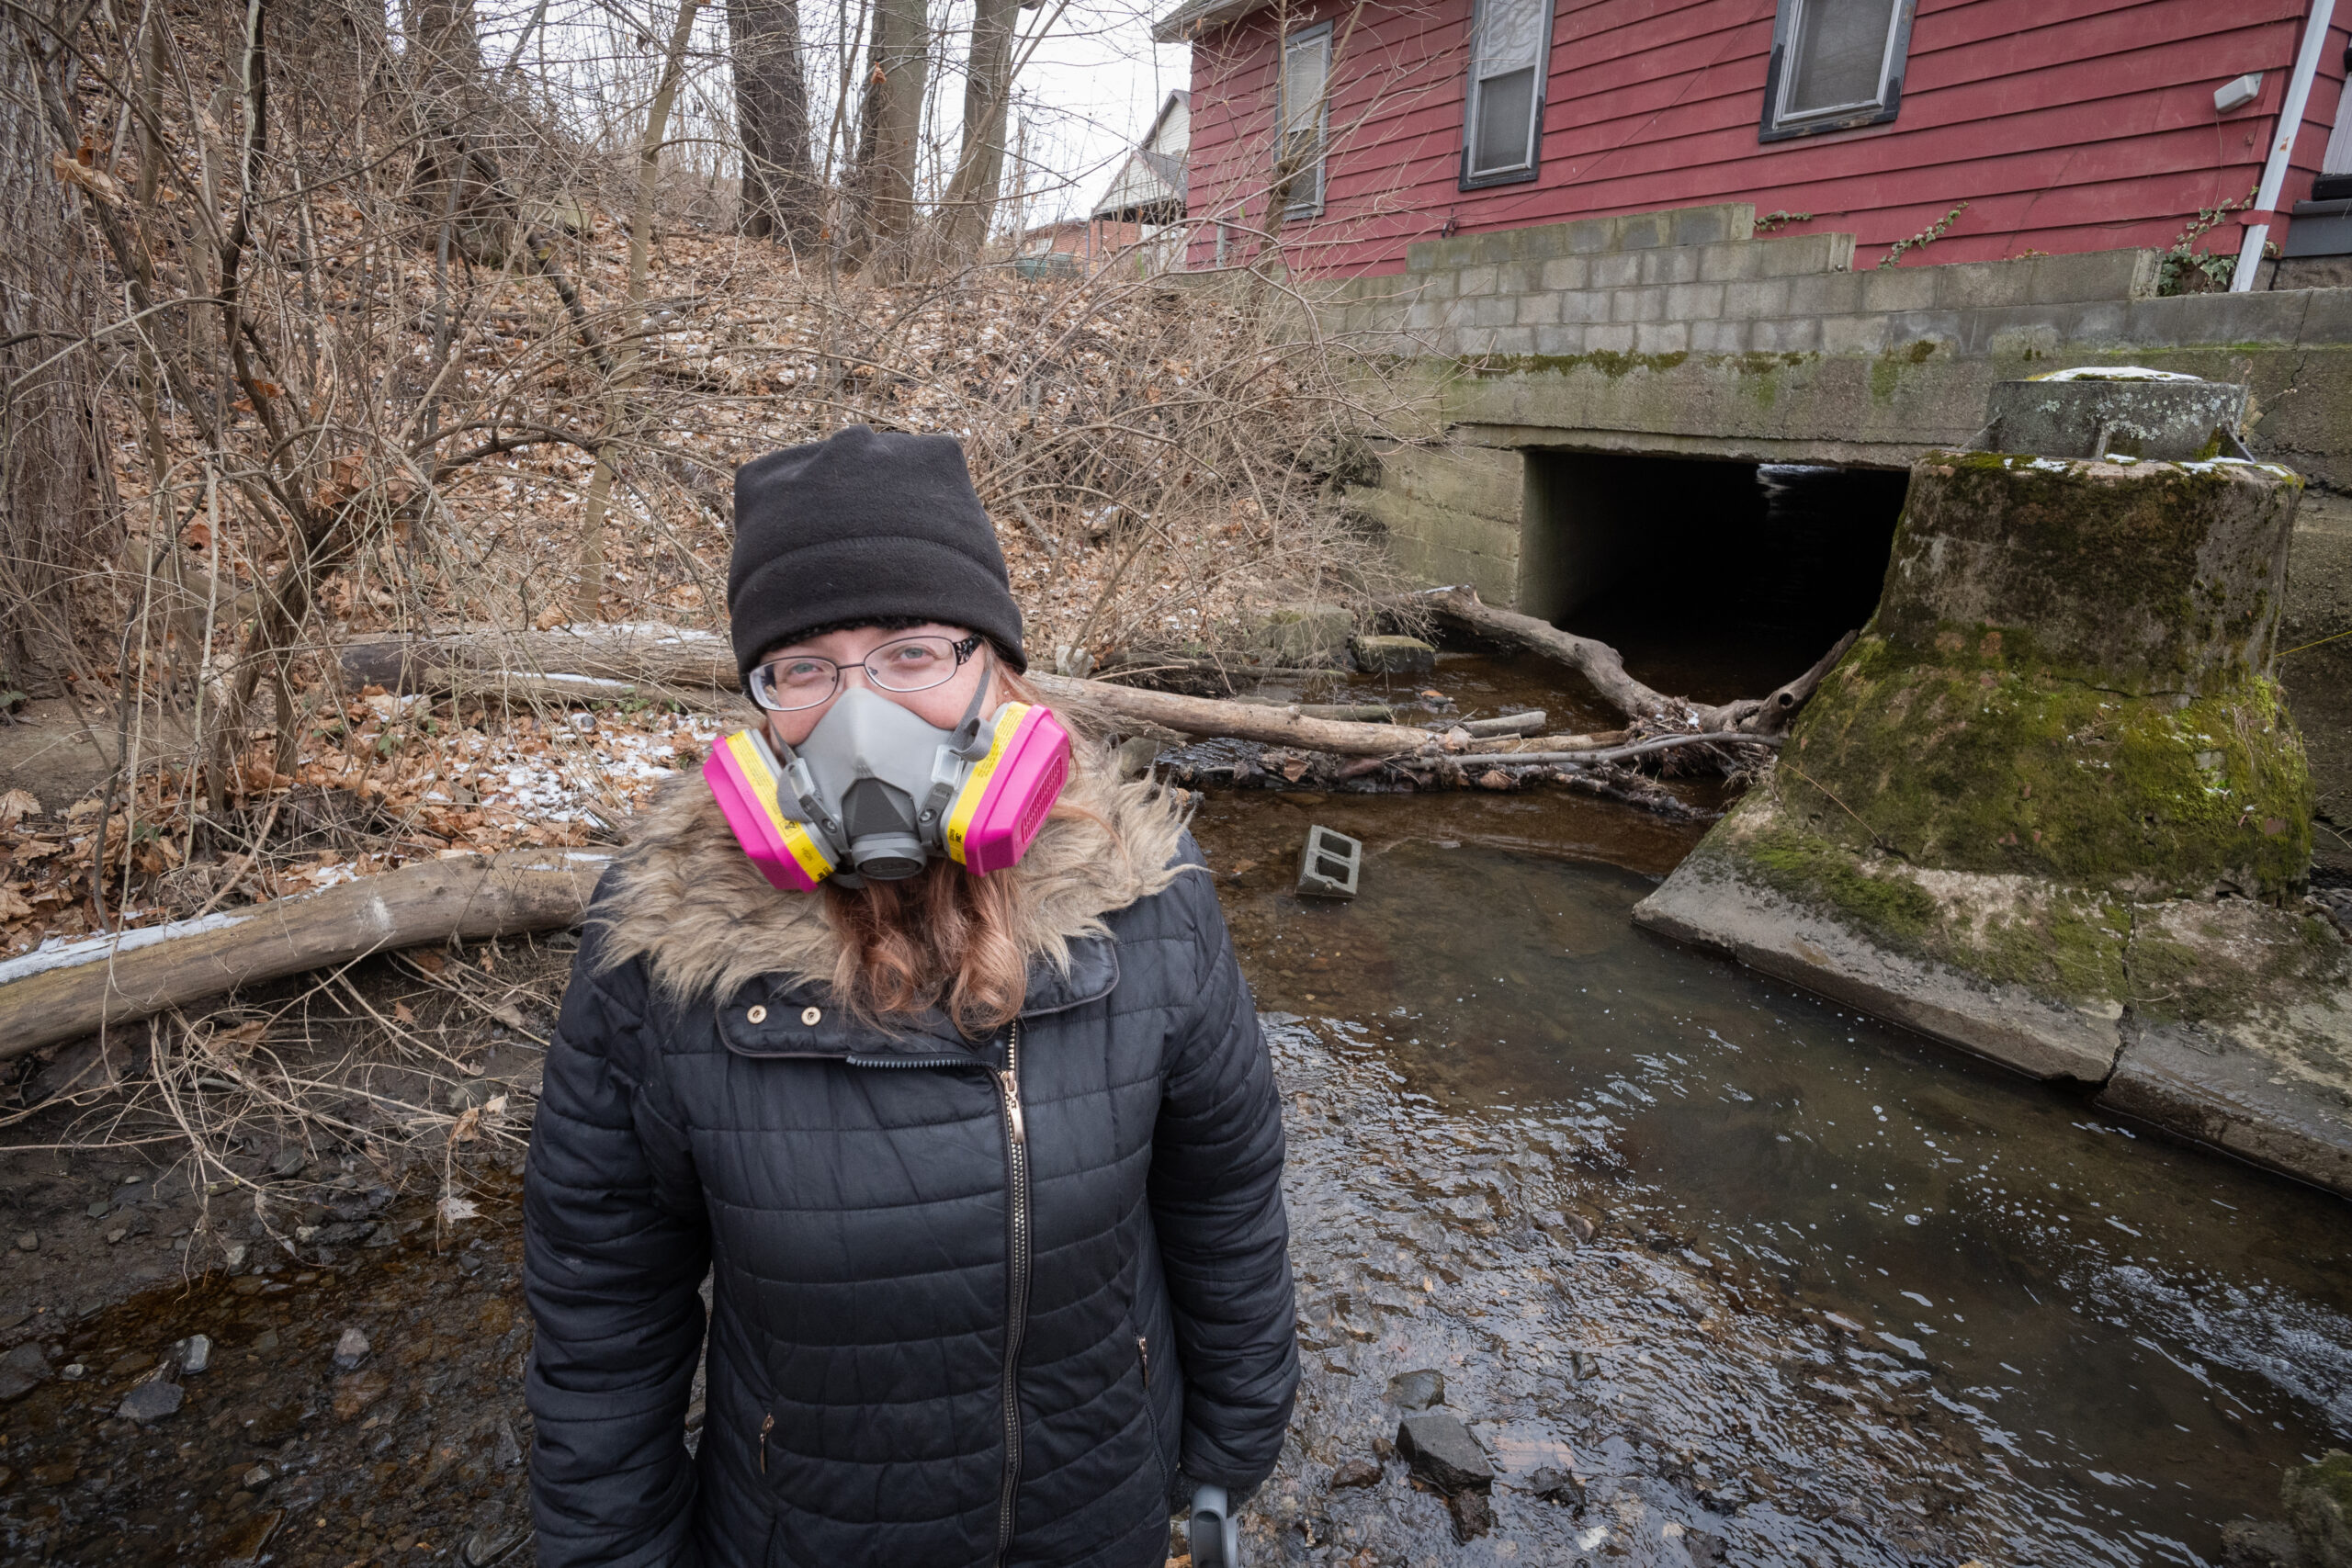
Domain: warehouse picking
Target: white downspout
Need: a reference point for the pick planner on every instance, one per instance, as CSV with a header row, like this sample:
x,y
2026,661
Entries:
x,y
2282,143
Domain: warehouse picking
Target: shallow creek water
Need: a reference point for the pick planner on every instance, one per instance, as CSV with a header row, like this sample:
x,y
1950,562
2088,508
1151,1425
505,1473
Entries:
x,y
1855,1298
1773,1283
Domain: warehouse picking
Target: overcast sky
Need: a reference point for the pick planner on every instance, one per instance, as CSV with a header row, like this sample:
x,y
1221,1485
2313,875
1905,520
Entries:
x,y
1090,93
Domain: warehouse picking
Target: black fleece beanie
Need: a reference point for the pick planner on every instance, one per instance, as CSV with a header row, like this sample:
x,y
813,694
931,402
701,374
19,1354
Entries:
x,y
865,525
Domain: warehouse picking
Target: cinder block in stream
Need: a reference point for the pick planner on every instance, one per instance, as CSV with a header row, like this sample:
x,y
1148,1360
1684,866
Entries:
x,y
1329,864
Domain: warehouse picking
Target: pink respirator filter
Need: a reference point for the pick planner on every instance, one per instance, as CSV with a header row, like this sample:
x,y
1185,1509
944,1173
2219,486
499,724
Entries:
x,y
741,771
996,814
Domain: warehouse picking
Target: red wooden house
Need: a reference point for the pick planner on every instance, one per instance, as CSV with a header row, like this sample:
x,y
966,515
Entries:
x,y
2062,125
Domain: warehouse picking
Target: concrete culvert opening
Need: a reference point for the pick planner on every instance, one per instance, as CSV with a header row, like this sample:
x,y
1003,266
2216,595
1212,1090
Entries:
x,y
1714,580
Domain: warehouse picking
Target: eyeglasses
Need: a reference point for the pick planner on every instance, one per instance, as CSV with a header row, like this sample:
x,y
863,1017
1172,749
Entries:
x,y
911,664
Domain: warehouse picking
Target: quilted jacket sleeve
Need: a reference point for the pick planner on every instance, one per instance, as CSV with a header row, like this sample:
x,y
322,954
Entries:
x,y
615,1250
1217,1204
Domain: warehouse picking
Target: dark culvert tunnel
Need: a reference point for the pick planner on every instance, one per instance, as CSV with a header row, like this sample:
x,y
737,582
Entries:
x,y
1714,580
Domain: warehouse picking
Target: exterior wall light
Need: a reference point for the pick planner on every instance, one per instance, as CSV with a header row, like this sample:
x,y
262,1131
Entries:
x,y
2238,92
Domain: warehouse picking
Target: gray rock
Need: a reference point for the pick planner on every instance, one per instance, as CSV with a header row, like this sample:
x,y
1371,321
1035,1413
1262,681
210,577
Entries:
x,y
509,1452
1393,655
194,1353
1355,1472
151,1400
1557,1487
1417,1390
485,1547
1704,1548
97,1210
1443,1453
2260,1544
1304,634
29,1241
2318,1500
351,1350
1474,1514
1136,756
23,1370
362,1205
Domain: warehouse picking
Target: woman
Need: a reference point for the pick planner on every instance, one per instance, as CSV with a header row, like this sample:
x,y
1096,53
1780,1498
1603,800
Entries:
x,y
984,1171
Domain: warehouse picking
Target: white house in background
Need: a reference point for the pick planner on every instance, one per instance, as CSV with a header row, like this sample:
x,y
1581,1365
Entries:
x,y
1147,190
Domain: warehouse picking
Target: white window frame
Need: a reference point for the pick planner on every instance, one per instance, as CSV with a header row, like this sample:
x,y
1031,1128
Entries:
x,y
1780,122
1317,36
1514,174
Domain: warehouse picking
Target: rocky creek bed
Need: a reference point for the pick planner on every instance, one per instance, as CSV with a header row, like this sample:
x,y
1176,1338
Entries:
x,y
1700,1270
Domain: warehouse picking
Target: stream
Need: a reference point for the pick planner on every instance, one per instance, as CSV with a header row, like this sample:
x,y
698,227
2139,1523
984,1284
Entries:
x,y
1754,1280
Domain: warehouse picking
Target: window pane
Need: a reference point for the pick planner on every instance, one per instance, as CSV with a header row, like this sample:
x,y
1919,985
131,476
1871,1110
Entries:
x,y
1303,72
1839,55
1506,121
1510,34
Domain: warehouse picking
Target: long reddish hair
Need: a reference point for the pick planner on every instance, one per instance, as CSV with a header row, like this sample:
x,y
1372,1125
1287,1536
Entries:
x,y
942,938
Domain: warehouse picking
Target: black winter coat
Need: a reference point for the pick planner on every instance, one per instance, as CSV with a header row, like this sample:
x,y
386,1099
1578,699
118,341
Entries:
x,y
973,1303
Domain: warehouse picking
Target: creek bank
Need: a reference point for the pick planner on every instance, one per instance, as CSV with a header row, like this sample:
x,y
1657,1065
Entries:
x,y
2050,808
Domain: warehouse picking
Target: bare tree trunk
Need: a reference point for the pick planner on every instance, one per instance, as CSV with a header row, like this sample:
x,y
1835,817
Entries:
x,y
891,132
589,595
780,198
54,532
987,94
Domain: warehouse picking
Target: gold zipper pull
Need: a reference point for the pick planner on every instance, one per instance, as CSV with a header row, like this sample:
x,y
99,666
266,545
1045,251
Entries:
x,y
1013,1104
767,1424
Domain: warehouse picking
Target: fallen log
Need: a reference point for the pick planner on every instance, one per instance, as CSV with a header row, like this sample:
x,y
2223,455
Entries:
x,y
1597,662
107,981
1232,720
1780,709
670,658
644,653
1591,756
1600,664
1506,724
525,689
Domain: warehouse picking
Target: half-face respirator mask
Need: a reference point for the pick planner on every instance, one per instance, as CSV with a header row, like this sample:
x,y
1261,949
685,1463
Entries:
x,y
875,792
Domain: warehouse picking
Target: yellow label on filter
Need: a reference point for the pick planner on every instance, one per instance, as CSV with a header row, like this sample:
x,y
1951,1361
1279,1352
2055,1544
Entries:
x,y
967,799
810,856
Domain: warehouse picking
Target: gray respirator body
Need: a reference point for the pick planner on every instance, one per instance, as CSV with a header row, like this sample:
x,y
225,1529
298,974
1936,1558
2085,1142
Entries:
x,y
874,782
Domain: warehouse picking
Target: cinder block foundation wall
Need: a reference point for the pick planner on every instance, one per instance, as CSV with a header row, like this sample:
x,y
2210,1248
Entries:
x,y
1686,334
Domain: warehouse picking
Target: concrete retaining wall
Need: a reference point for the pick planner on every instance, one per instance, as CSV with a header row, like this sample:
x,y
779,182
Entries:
x,y
1686,334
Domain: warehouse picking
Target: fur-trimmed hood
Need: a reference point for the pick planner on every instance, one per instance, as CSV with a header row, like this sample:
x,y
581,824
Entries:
x,y
684,897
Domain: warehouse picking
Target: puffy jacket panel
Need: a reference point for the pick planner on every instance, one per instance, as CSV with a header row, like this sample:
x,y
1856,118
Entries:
x,y
853,1194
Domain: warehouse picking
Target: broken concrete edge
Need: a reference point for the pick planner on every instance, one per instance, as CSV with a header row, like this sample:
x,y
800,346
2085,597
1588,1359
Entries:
x,y
2184,1079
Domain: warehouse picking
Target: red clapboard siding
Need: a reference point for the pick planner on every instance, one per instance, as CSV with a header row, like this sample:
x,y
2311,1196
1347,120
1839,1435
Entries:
x,y
2065,125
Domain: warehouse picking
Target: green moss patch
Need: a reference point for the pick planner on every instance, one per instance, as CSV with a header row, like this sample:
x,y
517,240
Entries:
x,y
2059,944
1969,759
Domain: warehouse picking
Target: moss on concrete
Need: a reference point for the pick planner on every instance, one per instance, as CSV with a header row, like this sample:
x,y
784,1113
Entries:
x,y
2066,944
1979,757
1608,361
2161,577
2318,1501
2222,962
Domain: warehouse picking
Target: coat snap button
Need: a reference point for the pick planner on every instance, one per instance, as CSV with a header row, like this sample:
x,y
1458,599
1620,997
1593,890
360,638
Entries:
x,y
810,1016
757,1015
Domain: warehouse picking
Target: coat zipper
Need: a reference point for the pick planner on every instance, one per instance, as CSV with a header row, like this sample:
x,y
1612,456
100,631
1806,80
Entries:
x,y
1017,1142
1143,1354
